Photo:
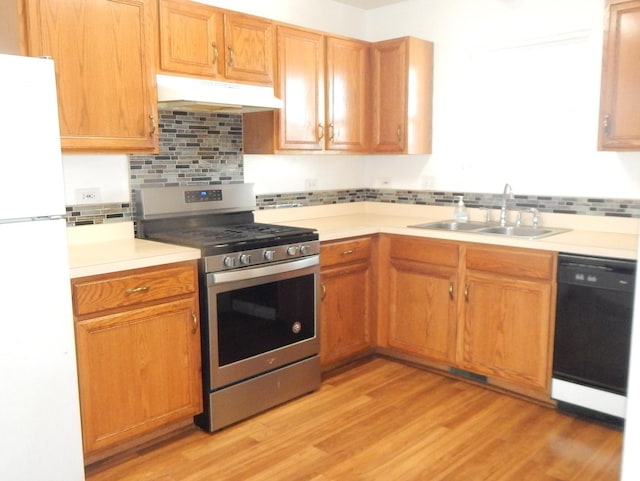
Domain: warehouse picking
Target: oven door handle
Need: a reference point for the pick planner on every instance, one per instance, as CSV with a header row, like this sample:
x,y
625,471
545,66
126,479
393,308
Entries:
x,y
262,271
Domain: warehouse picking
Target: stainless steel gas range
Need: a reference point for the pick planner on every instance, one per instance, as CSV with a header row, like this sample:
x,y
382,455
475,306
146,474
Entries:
x,y
259,294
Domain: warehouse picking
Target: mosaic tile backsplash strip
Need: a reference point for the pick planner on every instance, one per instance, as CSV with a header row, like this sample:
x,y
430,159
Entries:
x,y
97,214
203,148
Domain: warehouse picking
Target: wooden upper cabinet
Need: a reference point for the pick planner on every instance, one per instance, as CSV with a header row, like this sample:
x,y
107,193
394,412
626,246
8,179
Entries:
x,y
192,38
620,95
347,125
248,49
103,52
200,40
402,73
324,83
301,87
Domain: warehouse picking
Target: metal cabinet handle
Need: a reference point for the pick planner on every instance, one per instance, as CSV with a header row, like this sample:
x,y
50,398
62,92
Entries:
x,y
195,322
466,292
232,57
347,252
154,125
399,133
136,290
451,290
324,291
216,53
321,133
606,125
331,132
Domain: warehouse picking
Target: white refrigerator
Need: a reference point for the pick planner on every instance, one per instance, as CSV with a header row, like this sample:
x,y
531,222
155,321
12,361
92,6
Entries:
x,y
40,436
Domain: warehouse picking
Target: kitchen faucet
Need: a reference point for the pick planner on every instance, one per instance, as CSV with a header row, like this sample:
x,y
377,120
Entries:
x,y
507,193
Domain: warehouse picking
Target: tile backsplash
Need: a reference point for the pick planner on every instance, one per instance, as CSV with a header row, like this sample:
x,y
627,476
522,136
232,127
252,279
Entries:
x,y
203,148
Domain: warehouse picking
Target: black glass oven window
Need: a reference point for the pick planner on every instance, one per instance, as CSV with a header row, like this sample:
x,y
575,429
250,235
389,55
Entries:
x,y
258,319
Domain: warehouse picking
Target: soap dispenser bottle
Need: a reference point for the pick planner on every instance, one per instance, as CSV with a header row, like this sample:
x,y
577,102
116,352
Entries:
x,y
460,213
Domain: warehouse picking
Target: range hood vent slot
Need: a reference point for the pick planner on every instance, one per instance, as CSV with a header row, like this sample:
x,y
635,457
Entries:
x,y
186,93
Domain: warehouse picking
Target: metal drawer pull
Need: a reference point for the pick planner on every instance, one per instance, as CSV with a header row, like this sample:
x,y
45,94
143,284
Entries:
x,y
347,252
466,292
451,290
137,289
195,322
216,54
324,291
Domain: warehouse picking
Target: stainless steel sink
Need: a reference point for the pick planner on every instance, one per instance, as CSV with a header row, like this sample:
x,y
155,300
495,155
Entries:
x,y
527,232
451,225
492,228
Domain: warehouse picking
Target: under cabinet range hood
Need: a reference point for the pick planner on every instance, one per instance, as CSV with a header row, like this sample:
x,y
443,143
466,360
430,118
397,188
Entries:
x,y
187,93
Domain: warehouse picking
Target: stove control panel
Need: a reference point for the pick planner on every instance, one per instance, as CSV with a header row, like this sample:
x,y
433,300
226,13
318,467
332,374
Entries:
x,y
266,255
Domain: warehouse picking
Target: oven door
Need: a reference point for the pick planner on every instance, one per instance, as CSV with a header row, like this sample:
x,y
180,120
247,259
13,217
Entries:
x,y
260,319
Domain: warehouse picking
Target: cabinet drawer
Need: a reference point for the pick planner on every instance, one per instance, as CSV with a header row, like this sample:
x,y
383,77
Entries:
x,y
111,291
521,263
424,250
345,251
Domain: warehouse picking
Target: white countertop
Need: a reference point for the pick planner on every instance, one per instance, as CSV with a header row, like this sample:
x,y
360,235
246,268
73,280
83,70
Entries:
x,y
589,235
105,248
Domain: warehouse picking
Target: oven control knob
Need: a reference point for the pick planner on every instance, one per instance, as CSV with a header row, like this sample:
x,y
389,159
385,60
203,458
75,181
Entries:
x,y
269,255
304,250
245,259
292,250
229,261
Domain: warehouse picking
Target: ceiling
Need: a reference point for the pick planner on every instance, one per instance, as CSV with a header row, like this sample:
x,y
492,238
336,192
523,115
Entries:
x,y
369,4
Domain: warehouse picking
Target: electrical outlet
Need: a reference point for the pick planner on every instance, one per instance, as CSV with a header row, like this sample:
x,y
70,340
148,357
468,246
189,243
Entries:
x,y
88,196
310,184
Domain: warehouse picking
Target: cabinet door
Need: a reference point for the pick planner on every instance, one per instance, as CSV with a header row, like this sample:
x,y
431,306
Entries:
x,y
191,38
347,300
103,52
348,96
422,284
389,74
422,318
620,95
249,44
402,77
301,87
506,329
345,312
138,370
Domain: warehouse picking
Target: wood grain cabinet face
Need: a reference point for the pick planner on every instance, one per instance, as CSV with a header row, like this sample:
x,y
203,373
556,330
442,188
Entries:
x,y
422,297
347,303
348,96
301,122
507,315
138,348
484,309
191,38
402,73
103,52
620,95
249,44
324,83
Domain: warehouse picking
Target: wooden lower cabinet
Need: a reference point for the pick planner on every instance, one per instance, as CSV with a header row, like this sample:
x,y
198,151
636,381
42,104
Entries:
x,y
346,311
507,316
422,283
486,310
138,352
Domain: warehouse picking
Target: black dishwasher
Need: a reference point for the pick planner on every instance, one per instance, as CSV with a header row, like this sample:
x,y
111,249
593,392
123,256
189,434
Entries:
x,y
594,312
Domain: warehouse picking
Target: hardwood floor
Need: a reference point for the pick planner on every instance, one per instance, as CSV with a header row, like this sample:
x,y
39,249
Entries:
x,y
383,420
